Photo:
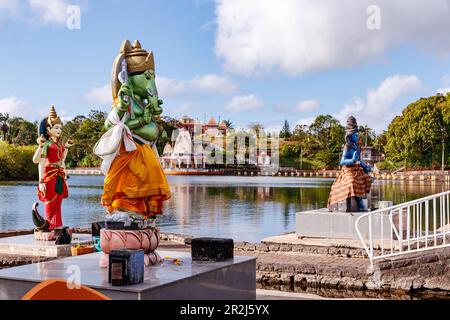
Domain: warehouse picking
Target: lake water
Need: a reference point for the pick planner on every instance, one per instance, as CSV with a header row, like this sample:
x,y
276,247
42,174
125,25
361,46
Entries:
x,y
242,208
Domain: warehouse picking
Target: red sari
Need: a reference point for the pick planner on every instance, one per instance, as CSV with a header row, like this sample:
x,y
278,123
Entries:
x,y
56,187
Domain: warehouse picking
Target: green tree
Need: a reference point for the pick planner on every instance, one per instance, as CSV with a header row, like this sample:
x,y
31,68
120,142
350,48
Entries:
x,y
85,131
327,138
286,131
229,124
4,117
418,136
21,132
257,127
368,135
168,125
301,136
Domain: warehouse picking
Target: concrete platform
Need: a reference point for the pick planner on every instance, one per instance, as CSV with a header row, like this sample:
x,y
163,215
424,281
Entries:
x,y
231,280
294,239
26,245
321,223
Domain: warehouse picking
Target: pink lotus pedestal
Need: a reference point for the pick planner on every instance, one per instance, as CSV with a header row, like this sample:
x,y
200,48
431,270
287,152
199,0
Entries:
x,y
146,240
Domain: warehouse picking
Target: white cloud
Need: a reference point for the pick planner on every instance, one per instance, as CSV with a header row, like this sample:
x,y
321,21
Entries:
x,y
211,83
41,11
214,83
66,119
445,85
307,105
50,11
306,121
168,87
8,6
15,107
376,109
273,127
100,94
298,36
244,103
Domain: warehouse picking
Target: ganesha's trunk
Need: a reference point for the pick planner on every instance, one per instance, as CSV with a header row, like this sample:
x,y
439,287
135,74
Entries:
x,y
40,223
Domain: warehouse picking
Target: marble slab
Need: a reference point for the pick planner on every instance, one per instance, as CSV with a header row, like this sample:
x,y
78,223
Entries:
x,y
234,279
321,223
27,245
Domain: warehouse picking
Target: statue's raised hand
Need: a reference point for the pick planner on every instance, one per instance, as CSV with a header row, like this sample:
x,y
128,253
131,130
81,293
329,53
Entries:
x,y
69,143
41,140
124,95
42,188
154,105
157,109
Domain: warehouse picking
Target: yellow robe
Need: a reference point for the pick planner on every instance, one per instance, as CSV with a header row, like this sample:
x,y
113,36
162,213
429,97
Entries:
x,y
136,182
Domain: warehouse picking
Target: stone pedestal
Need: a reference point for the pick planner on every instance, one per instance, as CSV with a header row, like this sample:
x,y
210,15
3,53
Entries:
x,y
348,205
233,279
27,245
132,240
341,225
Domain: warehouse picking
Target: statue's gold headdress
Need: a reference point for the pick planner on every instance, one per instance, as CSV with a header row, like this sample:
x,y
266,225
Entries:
x,y
52,117
137,60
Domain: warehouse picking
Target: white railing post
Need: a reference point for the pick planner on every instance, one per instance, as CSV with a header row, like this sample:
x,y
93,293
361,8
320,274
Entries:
x,y
408,223
434,221
418,236
427,222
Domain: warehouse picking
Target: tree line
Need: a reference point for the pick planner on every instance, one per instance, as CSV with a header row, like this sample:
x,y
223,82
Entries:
x,y
418,138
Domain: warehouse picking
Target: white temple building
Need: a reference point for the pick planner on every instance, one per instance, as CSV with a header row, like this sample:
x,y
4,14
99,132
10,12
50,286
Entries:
x,y
187,151
192,142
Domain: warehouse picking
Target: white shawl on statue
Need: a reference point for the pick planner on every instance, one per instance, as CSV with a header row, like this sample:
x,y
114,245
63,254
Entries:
x,y
108,146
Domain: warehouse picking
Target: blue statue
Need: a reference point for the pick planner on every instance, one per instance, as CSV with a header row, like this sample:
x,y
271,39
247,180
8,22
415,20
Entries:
x,y
353,179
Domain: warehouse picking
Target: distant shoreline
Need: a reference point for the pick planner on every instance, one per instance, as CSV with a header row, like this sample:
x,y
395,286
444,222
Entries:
x,y
422,175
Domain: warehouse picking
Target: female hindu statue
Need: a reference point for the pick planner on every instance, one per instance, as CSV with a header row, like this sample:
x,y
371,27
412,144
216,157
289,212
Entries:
x,y
353,180
50,157
135,185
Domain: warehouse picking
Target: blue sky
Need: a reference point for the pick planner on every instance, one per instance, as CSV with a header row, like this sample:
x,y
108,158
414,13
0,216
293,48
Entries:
x,y
248,61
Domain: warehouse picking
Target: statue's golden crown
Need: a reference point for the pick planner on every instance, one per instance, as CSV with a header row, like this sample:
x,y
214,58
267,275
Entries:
x,y
52,117
138,59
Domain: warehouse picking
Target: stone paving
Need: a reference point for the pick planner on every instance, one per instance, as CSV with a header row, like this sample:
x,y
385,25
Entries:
x,y
325,268
320,266
8,260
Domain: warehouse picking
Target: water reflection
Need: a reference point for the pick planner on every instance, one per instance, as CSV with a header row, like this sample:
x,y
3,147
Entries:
x,y
242,208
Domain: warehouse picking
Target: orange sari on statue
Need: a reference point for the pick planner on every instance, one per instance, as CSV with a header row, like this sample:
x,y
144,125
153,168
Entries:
x,y
136,182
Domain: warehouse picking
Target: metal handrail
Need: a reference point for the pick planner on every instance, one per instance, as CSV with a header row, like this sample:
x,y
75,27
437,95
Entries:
x,y
408,231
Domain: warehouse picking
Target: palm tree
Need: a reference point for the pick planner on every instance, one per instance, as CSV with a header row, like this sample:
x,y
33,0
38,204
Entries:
x,y
257,127
4,117
368,134
229,124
